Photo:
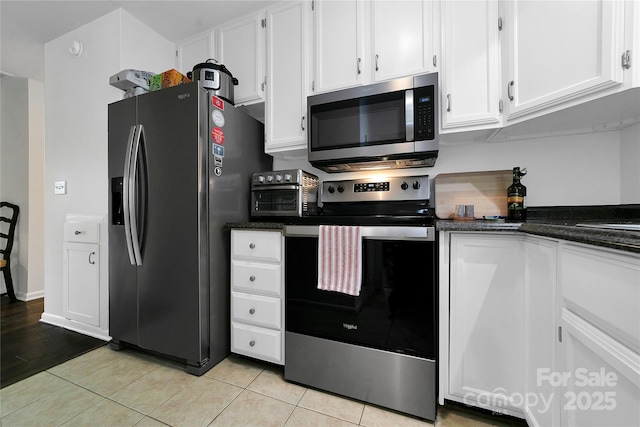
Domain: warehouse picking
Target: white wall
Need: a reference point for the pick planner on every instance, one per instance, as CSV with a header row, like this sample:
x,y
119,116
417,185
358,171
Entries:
x,y
77,94
35,288
22,151
15,174
562,170
630,164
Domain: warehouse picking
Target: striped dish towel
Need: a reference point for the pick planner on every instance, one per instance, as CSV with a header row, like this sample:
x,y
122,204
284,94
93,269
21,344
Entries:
x,y
340,259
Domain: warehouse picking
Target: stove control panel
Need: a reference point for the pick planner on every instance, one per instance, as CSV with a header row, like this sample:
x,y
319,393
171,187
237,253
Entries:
x,y
398,188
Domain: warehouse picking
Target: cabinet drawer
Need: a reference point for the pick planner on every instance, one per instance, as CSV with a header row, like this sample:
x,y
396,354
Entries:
x,y
253,341
84,232
255,277
256,245
603,288
256,309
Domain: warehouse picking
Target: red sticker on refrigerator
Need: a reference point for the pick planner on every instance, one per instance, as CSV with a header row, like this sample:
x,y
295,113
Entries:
x,y
218,135
217,102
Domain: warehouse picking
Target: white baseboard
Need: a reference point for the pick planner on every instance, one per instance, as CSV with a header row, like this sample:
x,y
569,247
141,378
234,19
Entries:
x,y
72,325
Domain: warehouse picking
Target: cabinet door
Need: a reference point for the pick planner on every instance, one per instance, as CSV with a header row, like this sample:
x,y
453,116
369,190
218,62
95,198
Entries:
x,y
403,38
486,320
470,71
540,334
338,44
287,77
81,282
599,380
242,50
194,50
561,51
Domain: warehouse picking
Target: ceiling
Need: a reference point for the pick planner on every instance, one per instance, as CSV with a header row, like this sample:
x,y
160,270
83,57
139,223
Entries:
x,y
26,25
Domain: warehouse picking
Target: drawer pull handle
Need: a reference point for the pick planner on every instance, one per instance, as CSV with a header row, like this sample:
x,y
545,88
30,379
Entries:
x,y
252,245
252,278
252,343
251,311
77,232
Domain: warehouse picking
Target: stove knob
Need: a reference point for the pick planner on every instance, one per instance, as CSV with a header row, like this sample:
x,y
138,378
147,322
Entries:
x,y
340,189
261,179
269,178
404,185
330,189
416,185
279,178
287,177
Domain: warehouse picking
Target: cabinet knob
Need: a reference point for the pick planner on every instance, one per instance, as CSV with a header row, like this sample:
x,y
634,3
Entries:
x,y
252,343
252,278
252,311
252,245
77,232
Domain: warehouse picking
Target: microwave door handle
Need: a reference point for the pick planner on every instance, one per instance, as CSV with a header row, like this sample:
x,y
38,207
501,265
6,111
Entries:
x,y
409,114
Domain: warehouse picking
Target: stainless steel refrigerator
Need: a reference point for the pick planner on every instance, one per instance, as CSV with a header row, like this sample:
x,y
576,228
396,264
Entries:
x,y
180,162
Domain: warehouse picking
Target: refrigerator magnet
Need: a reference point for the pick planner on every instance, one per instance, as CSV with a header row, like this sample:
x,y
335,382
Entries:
x,y
217,102
217,161
218,171
218,135
218,150
218,118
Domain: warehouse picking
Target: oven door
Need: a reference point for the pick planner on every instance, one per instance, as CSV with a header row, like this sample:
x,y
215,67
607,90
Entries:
x,y
280,200
396,309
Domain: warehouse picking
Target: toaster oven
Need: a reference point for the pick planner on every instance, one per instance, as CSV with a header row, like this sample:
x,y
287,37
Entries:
x,y
284,193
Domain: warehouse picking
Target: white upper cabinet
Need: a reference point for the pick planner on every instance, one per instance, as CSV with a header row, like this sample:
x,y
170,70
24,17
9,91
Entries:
x,y
561,51
287,76
339,37
241,48
470,69
194,50
403,38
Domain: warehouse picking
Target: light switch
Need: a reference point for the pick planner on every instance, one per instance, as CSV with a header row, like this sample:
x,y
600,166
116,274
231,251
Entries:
x,y
60,187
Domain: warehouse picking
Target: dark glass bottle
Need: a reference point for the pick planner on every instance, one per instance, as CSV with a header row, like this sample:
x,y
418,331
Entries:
x,y
517,197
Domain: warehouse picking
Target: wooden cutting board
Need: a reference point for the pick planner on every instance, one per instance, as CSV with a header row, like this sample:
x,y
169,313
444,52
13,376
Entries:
x,y
487,191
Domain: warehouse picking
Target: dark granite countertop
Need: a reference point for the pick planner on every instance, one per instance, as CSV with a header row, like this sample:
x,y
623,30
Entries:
x,y
555,222
255,225
561,223
616,239
478,225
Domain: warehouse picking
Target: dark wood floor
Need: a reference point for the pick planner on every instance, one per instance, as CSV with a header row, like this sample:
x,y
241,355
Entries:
x,y
28,346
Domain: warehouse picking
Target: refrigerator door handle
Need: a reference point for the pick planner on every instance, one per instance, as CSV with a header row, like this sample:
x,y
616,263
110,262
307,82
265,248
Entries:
x,y
126,193
133,197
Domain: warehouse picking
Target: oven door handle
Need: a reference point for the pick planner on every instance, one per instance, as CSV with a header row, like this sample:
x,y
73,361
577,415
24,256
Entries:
x,y
276,187
369,232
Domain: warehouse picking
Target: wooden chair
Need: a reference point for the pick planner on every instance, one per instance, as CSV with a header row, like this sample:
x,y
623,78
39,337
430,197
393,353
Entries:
x,y
5,263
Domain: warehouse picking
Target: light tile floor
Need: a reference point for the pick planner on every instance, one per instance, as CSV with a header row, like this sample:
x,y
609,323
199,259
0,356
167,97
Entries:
x,y
128,388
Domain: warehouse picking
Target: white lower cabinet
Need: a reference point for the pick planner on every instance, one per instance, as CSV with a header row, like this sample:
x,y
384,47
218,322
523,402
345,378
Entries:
x,y
81,282
598,381
81,272
486,302
540,328
257,294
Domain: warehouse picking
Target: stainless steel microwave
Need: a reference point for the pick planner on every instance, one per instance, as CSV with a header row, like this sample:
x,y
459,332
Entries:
x,y
391,124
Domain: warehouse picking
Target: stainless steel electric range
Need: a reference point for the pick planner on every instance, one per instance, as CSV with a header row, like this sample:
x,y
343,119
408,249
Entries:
x,y
379,346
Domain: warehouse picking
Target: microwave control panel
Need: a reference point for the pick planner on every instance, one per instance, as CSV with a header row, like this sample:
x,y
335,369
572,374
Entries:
x,y
423,98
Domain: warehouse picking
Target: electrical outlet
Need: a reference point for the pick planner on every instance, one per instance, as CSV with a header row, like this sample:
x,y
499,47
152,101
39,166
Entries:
x,y
60,187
